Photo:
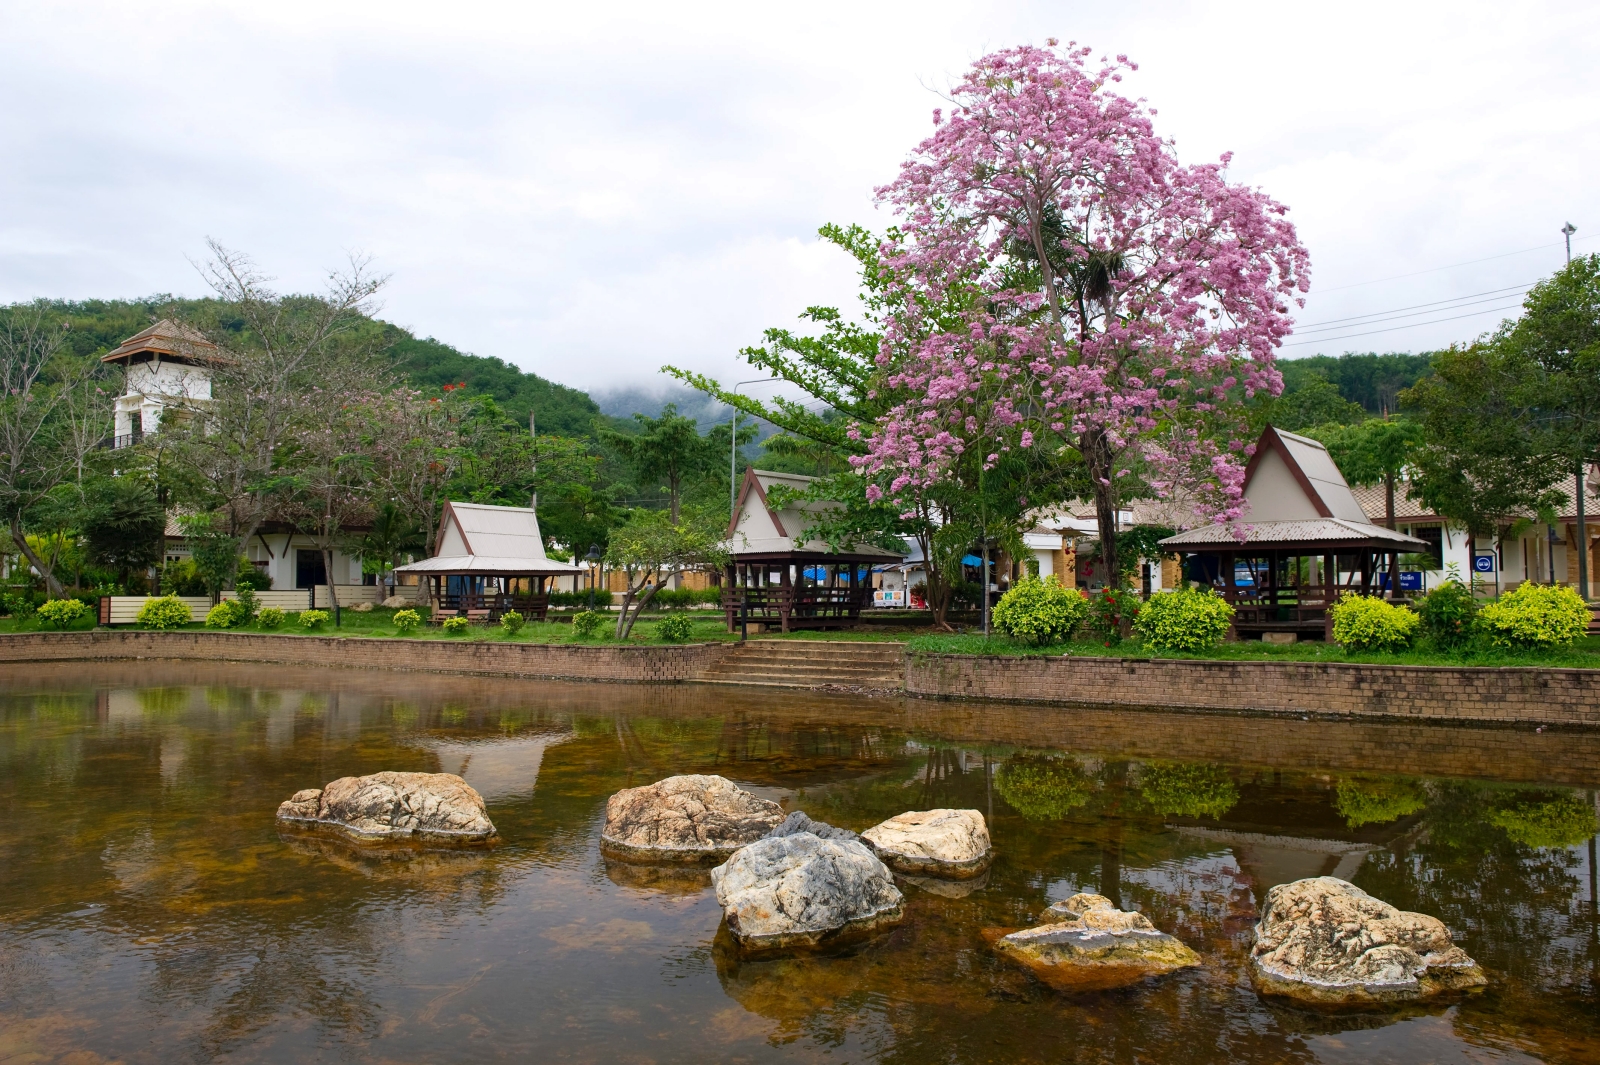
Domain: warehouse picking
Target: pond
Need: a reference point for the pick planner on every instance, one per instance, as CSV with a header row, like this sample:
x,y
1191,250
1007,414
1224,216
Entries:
x,y
150,912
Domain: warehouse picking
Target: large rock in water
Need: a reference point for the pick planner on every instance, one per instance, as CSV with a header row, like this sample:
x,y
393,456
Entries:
x,y
1088,943
685,819
435,807
1323,940
801,890
941,843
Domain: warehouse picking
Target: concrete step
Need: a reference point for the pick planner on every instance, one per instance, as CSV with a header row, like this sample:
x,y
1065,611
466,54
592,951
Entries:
x,y
767,665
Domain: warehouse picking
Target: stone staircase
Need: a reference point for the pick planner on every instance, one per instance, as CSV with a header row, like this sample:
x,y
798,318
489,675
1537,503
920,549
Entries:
x,y
812,664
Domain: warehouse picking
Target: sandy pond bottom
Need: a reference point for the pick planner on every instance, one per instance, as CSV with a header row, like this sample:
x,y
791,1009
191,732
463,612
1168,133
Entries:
x,y
149,911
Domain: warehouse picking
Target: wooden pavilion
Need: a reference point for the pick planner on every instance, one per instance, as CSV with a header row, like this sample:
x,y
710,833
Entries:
x,y
779,577
488,560
1305,542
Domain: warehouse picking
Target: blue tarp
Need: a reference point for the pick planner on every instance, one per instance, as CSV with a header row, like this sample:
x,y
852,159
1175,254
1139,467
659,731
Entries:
x,y
971,560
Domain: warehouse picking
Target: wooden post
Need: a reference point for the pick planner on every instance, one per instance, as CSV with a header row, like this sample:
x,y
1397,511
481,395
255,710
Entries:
x,y
786,597
1229,591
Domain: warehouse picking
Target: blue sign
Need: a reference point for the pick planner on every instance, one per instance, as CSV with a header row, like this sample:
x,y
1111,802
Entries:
x,y
1483,562
1410,580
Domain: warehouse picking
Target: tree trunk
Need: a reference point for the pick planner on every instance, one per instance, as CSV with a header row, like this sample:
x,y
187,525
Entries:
x,y
983,585
333,589
631,609
20,538
1096,450
1388,517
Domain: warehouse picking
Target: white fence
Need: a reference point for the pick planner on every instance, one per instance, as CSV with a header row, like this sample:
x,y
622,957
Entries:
x,y
124,609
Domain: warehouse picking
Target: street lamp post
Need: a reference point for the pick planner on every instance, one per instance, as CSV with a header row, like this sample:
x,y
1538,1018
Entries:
x,y
1582,546
594,570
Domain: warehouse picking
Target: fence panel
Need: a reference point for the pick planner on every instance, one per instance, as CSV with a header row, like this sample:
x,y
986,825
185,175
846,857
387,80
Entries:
x,y
349,595
292,601
124,609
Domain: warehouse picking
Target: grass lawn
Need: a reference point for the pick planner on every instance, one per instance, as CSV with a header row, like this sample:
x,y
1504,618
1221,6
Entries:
x,y
1583,654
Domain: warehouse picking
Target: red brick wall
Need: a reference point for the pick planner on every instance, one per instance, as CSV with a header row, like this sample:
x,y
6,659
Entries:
x,y
1415,693
602,663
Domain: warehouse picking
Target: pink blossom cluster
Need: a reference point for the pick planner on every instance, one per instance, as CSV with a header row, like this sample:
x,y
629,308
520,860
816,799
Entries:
x,y
1059,278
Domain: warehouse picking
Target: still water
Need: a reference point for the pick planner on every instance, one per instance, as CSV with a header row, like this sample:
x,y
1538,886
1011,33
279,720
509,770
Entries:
x,y
149,911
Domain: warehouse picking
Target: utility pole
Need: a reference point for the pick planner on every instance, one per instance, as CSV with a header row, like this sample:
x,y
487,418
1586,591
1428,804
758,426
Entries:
x,y
1582,546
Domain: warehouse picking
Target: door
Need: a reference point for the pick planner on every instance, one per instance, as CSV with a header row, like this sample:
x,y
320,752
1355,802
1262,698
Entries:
x,y
308,568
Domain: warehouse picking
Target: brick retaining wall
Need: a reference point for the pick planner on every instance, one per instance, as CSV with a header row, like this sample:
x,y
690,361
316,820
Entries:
x,y
639,665
1501,695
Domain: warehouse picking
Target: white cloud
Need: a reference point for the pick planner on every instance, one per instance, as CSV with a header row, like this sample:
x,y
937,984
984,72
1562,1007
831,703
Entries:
x,y
591,191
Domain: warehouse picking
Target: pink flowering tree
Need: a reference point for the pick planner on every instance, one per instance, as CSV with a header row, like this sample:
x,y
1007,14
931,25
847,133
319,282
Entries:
x,y
1113,304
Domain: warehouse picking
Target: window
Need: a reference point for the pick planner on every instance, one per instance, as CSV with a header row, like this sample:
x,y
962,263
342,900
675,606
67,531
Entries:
x,y
1434,535
309,570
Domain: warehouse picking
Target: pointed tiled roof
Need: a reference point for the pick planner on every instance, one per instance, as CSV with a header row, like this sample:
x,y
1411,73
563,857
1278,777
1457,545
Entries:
x,y
169,338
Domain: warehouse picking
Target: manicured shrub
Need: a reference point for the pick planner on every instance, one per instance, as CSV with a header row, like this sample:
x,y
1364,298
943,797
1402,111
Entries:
x,y
225,615
588,624
20,607
313,619
270,617
455,625
1366,623
1447,614
406,620
249,606
675,628
511,622
59,613
1184,620
1534,616
1039,612
168,612
1111,610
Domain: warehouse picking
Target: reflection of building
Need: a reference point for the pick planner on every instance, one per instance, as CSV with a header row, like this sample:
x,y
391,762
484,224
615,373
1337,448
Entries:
x,y
165,364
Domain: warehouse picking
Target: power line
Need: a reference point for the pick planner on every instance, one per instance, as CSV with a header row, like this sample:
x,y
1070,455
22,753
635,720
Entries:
x,y
1413,325
1414,306
1453,266
1378,317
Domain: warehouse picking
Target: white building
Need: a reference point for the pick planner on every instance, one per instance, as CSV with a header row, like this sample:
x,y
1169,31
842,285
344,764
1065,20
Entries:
x,y
165,364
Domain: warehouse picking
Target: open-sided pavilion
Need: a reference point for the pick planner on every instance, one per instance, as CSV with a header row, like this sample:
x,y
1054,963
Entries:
x,y
779,576
1305,542
488,560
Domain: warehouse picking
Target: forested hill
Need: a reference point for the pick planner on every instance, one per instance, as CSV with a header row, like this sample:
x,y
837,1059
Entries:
x,y
429,363
97,326
1374,381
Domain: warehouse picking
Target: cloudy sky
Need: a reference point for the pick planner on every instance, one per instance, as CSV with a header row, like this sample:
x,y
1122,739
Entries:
x,y
590,190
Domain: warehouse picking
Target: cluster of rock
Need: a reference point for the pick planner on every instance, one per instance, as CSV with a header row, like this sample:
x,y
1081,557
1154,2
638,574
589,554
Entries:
x,y
790,882
1325,941
393,807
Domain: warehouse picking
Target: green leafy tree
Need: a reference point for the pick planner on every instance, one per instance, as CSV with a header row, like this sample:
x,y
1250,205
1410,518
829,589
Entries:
x,y
122,525
651,547
668,450
1311,401
1373,452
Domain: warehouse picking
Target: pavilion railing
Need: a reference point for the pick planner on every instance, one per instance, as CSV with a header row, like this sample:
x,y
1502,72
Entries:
x,y
804,607
489,606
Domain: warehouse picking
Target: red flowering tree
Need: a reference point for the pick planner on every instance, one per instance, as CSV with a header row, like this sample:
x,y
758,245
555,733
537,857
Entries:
x,y
1113,302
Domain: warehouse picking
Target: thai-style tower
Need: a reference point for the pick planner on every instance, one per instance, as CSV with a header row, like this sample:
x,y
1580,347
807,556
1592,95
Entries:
x,y
166,363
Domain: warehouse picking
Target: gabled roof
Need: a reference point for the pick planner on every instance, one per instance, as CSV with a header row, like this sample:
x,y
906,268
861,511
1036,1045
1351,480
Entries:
x,y
1317,484
1298,499
168,338
757,527
484,539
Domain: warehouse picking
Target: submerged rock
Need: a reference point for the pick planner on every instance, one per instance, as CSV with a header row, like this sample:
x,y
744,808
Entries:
x,y
1324,940
1088,943
802,890
436,807
942,843
685,819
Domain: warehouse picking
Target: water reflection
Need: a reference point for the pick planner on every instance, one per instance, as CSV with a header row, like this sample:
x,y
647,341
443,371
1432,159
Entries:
x,y
149,909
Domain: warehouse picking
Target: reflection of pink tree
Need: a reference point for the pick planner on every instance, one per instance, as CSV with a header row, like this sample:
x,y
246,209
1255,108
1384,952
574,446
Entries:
x,y
1115,301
